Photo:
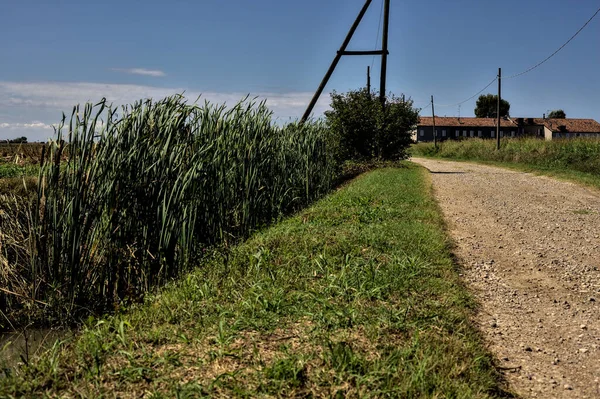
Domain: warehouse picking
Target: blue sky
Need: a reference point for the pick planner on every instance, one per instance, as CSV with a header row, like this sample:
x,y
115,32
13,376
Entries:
x,y
59,53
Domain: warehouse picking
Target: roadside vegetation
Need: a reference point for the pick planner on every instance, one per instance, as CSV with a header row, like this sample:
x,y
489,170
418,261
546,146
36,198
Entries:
x,y
355,296
136,227
574,159
125,201
138,196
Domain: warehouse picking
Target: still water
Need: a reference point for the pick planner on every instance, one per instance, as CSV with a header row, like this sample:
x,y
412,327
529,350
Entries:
x,y
25,345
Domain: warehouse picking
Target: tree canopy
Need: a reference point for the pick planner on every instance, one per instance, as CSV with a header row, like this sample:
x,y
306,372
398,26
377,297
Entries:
x,y
365,131
487,105
558,113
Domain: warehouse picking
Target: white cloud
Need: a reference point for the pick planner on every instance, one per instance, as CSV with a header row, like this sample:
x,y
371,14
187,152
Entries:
x,y
24,125
43,102
141,71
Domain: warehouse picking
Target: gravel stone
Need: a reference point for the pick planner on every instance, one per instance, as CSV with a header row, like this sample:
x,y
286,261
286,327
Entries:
x,y
529,250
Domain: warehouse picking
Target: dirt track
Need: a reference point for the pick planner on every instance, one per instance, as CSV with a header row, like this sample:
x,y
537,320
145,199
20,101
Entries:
x,y
530,251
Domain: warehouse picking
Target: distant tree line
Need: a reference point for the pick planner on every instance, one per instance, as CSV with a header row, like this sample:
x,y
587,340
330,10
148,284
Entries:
x,y
18,140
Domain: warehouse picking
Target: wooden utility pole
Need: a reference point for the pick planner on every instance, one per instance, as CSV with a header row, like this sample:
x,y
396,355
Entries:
x,y
369,79
434,131
498,108
336,60
384,48
342,51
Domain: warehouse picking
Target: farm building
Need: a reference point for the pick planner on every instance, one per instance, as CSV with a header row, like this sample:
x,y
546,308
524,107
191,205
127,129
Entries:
x,y
449,128
569,128
453,128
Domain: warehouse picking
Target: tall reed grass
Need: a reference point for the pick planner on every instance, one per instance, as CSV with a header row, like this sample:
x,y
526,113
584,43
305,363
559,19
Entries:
x,y
144,189
580,154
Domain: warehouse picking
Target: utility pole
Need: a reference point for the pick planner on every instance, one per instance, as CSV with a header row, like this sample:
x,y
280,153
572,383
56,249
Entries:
x,y
342,51
384,48
434,131
369,80
498,108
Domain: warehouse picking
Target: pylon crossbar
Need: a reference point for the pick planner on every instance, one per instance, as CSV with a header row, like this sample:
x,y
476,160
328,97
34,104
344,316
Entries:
x,y
342,51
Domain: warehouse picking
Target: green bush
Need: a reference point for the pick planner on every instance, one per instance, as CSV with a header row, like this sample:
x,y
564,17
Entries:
x,y
366,131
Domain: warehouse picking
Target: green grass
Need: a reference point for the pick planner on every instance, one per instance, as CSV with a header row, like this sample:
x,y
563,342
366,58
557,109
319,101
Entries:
x,y
8,170
569,159
356,296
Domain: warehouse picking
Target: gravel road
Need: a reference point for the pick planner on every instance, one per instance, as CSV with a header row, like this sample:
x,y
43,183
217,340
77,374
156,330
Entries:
x,y
529,247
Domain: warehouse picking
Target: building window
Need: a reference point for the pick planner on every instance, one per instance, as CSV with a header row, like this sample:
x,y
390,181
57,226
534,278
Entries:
x,y
479,133
443,133
493,133
422,132
464,133
512,133
457,133
501,133
472,133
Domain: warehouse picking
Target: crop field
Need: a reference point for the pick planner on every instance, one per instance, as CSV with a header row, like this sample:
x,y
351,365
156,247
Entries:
x,y
20,153
575,159
123,204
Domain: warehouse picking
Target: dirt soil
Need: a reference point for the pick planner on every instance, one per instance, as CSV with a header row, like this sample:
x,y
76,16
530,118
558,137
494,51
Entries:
x,y
529,247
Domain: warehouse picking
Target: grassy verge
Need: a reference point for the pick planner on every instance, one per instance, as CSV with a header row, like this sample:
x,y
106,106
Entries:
x,y
355,296
575,160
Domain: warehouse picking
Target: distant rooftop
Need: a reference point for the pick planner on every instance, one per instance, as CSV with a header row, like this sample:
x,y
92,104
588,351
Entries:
x,y
555,124
463,122
569,125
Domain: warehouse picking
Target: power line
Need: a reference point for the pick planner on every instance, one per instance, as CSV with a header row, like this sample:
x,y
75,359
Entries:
x,y
378,32
420,102
560,48
527,70
470,98
423,108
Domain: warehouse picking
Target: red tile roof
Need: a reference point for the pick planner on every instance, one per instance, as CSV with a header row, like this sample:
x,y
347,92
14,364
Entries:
x,y
464,122
570,125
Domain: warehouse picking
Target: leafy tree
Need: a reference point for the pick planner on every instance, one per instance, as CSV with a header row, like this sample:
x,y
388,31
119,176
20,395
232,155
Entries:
x,y
558,113
365,131
487,105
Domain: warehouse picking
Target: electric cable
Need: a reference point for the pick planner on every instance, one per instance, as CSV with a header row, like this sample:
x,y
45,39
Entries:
x,y
556,52
425,107
378,32
529,69
470,98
